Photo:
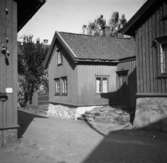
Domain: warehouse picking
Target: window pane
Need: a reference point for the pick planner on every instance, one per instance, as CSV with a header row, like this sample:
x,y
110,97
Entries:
x,y
105,85
98,85
64,85
59,58
65,88
163,51
57,86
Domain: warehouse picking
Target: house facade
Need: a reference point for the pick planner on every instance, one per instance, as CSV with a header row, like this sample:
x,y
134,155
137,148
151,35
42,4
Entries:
x,y
13,15
149,29
86,70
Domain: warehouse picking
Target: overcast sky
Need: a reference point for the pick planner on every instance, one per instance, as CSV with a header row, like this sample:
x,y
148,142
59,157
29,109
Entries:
x,y
70,15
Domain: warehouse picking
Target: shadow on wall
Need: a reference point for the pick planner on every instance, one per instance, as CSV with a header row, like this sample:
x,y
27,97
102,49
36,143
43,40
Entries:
x,y
24,120
132,146
125,97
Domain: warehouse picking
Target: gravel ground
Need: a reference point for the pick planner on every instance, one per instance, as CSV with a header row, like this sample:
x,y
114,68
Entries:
x,y
65,141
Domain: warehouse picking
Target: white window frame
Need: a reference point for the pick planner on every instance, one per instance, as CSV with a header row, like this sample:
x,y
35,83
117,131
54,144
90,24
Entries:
x,y
100,85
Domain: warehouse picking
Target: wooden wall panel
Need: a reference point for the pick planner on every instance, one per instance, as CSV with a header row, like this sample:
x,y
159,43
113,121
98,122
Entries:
x,y
2,29
147,54
87,88
66,69
8,74
87,83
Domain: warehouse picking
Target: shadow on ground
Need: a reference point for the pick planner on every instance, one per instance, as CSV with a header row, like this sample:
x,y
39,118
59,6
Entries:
x,y
24,120
144,145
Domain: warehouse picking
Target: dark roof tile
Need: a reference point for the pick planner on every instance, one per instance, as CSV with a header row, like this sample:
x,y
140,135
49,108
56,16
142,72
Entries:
x,y
95,47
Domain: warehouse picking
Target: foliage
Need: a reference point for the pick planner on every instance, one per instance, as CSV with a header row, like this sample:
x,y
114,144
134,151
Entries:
x,y
98,26
116,23
30,58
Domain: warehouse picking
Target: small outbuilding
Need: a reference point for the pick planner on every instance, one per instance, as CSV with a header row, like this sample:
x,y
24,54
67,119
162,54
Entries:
x,y
89,70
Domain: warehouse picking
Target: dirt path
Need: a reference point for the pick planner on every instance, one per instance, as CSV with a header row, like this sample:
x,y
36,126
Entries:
x,y
64,141
53,141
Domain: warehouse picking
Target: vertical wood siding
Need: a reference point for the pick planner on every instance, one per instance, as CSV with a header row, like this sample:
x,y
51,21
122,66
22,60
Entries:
x,y
8,74
147,54
66,69
87,83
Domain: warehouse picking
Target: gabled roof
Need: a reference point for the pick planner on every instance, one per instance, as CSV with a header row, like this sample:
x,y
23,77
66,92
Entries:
x,y
93,48
141,16
26,9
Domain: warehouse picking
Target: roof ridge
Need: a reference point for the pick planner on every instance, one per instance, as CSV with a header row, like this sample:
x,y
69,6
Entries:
x,y
75,33
80,34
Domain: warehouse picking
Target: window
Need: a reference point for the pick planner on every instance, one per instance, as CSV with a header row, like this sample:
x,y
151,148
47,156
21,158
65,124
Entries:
x,y
61,86
98,85
64,86
59,58
122,77
57,86
163,58
122,80
101,84
160,44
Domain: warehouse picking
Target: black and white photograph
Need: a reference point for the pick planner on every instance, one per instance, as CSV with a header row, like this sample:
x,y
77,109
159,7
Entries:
x,y
83,81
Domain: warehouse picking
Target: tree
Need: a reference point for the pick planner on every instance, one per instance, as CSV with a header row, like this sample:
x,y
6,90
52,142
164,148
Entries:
x,y
30,58
123,21
93,28
102,24
116,23
96,27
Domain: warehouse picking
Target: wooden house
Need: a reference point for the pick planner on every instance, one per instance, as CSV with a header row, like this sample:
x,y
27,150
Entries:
x,y
89,70
13,15
149,29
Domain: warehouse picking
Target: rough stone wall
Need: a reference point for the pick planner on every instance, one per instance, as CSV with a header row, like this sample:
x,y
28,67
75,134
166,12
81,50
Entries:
x,y
7,137
65,112
151,113
60,111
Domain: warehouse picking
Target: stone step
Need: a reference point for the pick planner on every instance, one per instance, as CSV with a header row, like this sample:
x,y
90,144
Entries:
x,y
108,115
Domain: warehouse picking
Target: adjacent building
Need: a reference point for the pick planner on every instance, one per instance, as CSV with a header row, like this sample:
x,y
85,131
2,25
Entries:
x,y
149,29
13,15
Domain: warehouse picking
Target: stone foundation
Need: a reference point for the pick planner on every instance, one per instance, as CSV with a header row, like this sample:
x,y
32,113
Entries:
x,y
151,112
8,136
65,112
60,111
